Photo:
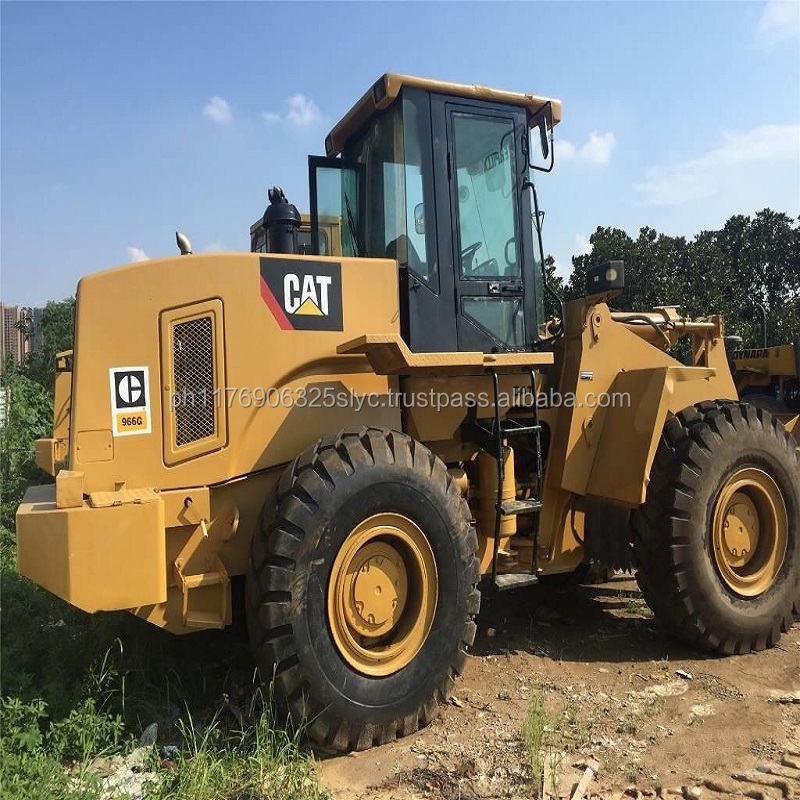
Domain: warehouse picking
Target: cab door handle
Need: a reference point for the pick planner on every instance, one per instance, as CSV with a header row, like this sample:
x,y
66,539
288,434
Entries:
x,y
496,288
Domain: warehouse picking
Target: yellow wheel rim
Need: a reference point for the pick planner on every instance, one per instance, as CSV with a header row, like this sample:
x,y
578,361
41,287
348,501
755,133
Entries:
x,y
750,532
382,594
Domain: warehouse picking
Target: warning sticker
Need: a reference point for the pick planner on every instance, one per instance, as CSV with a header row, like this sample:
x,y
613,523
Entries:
x,y
130,400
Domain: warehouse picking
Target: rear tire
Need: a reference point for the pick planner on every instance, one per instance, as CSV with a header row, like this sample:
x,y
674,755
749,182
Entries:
x,y
717,543
358,518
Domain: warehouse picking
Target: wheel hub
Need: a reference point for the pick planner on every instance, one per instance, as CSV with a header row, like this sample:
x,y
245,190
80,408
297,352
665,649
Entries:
x,y
740,530
750,532
382,594
380,585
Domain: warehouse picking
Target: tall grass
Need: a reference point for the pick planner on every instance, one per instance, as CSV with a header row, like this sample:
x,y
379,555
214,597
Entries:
x,y
77,687
264,761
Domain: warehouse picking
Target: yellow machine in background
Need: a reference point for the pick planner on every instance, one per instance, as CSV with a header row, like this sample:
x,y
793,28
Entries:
x,y
330,239
770,377
371,426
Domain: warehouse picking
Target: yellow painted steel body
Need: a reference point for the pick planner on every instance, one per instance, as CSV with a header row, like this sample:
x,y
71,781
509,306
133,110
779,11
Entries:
x,y
124,318
97,558
759,365
388,87
205,535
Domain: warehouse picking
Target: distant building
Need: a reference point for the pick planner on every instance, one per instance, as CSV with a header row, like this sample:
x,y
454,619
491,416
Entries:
x,y
15,340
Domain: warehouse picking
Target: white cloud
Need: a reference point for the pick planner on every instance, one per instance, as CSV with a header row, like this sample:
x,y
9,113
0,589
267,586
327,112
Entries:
x,y
136,254
582,244
214,247
303,112
596,150
564,150
218,110
561,270
780,22
700,177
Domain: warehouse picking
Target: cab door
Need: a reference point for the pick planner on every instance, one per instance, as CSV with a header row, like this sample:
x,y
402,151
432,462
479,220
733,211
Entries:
x,y
480,166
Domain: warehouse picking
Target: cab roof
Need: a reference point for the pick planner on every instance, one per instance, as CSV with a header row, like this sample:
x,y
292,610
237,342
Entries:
x,y
386,89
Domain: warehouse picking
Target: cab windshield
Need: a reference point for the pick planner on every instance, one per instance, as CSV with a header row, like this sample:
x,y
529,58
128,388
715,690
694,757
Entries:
x,y
395,154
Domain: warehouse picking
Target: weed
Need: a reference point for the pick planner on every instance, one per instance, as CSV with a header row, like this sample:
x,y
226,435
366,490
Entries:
x,y
631,773
554,759
29,771
638,607
547,736
533,728
262,762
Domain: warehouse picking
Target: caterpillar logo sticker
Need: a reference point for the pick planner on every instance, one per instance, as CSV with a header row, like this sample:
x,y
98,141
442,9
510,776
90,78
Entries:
x,y
130,400
303,295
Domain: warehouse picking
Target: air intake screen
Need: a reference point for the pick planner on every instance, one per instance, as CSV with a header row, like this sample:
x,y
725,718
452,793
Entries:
x,y
193,374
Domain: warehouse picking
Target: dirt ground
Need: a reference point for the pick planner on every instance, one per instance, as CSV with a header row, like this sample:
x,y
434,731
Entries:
x,y
655,715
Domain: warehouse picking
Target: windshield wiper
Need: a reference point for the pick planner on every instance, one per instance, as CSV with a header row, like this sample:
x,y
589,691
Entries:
x,y
351,224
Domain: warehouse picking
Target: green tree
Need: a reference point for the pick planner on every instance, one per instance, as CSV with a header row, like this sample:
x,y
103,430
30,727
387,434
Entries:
x,y
58,333
28,416
555,282
748,261
608,244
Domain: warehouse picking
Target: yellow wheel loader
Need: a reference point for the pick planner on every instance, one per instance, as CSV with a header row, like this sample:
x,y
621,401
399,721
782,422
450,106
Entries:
x,y
370,439
769,377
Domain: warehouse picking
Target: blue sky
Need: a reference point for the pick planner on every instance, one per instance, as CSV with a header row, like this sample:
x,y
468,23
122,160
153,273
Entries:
x,y
123,122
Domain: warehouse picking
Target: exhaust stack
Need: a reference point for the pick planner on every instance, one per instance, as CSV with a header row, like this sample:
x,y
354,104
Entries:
x,y
281,219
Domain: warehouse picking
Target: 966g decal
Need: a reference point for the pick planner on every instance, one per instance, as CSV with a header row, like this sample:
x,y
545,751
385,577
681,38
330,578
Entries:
x,y
130,400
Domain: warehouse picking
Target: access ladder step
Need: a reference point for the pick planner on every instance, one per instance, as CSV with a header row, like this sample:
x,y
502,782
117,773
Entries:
x,y
204,579
204,620
515,580
516,430
205,599
509,508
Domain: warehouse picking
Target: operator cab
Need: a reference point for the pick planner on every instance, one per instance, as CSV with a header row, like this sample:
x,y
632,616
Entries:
x,y
435,176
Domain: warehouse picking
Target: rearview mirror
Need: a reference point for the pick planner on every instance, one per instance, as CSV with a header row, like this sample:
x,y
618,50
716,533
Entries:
x,y
543,120
419,218
544,138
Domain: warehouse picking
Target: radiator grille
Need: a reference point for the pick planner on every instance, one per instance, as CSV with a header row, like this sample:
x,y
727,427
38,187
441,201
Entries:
x,y
193,374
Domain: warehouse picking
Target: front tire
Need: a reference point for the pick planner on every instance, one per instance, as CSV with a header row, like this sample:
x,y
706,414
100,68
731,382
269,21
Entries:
x,y
362,588
716,542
